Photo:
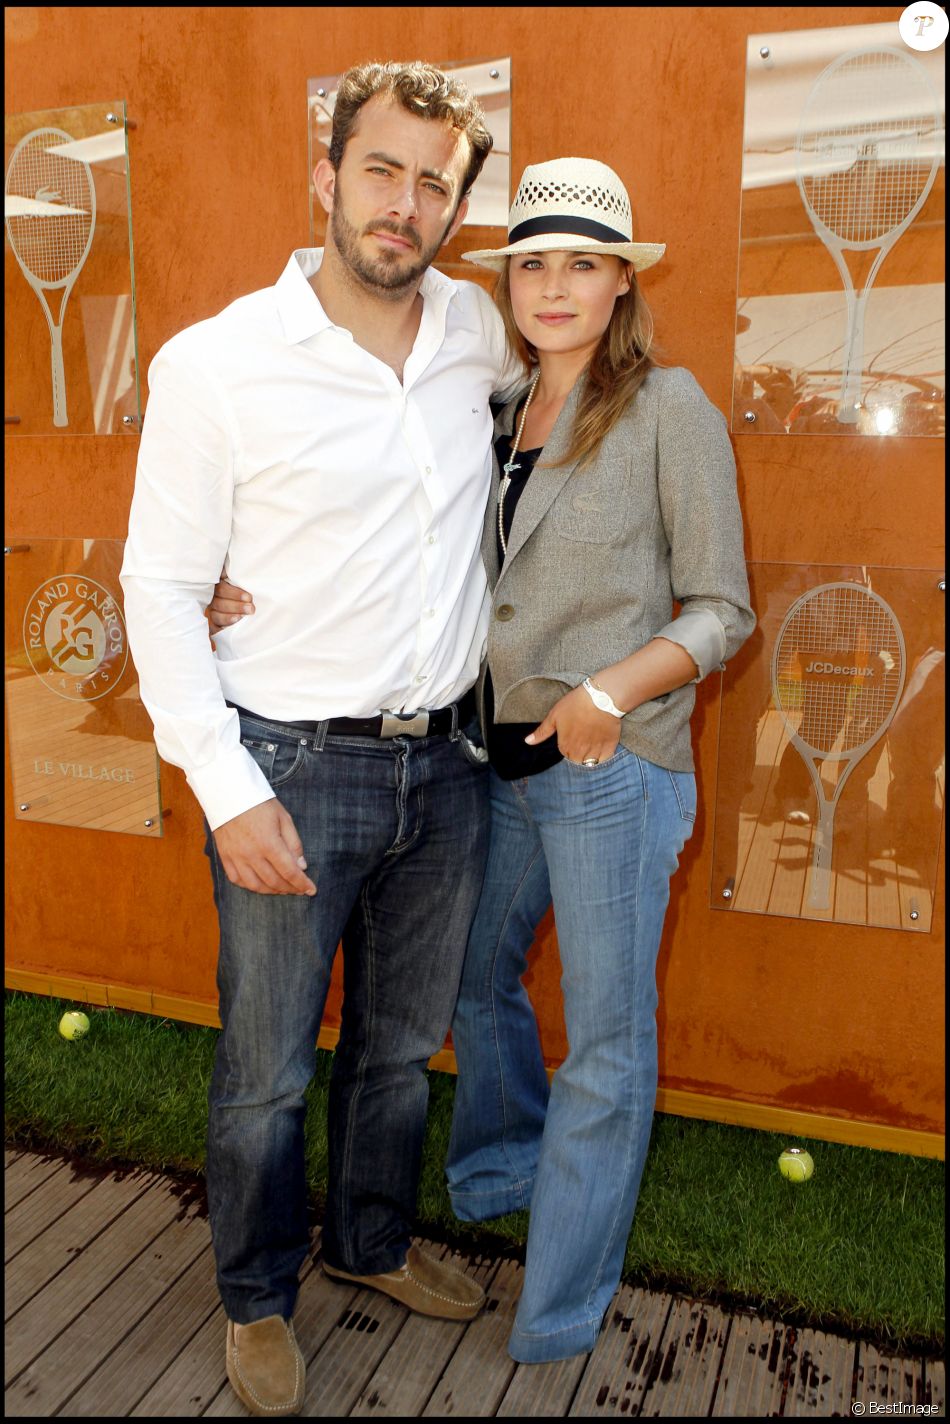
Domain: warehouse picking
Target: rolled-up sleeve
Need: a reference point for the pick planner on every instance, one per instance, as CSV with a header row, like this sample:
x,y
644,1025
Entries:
x,y
699,504
179,529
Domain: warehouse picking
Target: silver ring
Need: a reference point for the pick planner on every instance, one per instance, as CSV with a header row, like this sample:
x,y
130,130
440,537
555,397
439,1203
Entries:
x,y
591,761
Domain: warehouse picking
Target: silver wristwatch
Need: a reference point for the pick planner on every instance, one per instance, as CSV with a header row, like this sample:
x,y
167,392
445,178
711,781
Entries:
x,y
601,699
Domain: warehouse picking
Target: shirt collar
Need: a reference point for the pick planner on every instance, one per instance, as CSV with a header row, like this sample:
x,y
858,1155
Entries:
x,y
299,307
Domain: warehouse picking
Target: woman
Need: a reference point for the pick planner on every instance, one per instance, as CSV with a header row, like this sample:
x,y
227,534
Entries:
x,y
613,495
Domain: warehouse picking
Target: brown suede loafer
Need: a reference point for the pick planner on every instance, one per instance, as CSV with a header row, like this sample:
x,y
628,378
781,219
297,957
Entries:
x,y
425,1285
266,1368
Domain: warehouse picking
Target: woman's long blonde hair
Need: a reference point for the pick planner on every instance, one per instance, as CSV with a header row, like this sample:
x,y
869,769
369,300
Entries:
x,y
618,368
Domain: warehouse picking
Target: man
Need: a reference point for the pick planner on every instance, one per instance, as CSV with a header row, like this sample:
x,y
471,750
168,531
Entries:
x,y
328,440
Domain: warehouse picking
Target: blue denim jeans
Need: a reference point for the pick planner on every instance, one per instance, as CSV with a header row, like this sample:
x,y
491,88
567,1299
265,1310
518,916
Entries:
x,y
394,834
601,842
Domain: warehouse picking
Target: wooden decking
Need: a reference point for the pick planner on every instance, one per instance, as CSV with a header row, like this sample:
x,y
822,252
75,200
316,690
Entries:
x,y
773,855
112,1311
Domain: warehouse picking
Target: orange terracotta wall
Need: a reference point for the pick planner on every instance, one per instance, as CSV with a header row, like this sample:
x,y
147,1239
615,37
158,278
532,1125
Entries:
x,y
828,1019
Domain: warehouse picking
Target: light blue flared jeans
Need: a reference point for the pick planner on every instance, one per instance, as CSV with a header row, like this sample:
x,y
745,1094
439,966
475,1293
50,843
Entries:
x,y
601,843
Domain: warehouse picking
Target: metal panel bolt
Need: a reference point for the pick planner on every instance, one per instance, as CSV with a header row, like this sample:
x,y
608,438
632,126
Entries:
x,y
749,417
765,51
25,806
112,118
728,888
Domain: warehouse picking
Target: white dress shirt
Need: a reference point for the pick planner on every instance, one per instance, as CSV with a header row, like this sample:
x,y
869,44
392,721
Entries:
x,y
349,504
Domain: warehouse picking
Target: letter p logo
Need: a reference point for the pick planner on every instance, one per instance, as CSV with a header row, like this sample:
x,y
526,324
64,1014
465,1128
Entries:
x,y
923,26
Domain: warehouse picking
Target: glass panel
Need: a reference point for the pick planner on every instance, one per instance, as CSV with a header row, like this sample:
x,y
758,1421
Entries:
x,y
830,784
490,81
71,365
81,747
839,323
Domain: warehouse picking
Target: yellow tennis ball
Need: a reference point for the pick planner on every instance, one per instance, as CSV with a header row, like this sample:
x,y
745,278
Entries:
x,y
796,1164
73,1024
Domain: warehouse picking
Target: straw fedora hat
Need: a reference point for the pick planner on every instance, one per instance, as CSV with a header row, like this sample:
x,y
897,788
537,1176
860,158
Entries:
x,y
574,203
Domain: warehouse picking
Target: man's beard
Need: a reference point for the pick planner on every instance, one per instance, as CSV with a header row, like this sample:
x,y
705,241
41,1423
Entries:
x,y
386,273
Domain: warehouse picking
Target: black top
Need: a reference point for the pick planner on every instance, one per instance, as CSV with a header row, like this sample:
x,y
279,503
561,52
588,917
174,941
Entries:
x,y
508,752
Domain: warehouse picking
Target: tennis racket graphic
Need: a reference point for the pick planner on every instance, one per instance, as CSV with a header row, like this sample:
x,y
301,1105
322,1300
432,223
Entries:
x,y
837,676
867,156
50,247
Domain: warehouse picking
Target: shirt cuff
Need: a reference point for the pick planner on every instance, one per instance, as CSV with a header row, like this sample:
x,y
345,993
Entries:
x,y
703,637
231,784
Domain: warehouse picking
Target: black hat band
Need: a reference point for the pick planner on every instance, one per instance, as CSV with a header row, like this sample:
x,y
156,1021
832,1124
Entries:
x,y
580,227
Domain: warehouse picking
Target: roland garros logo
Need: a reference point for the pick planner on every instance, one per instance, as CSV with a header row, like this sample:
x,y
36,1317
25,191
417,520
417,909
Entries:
x,y
75,638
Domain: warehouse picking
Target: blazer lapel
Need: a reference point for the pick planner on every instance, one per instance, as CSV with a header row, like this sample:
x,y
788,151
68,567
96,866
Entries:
x,y
544,485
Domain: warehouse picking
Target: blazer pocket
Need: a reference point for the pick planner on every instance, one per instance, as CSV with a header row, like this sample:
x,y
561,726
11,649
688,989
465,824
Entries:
x,y
589,515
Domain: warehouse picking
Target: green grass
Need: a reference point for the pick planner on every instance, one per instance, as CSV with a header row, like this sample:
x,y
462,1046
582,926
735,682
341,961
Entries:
x,y
860,1247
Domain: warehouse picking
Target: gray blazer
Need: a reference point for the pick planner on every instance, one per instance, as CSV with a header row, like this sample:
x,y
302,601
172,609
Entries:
x,y
597,556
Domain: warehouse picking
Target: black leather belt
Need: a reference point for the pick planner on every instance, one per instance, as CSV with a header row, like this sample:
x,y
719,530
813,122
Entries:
x,y
434,722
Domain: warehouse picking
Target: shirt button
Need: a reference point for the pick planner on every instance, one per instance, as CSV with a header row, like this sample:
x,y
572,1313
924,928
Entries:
x,y
431,539
430,612
504,612
428,469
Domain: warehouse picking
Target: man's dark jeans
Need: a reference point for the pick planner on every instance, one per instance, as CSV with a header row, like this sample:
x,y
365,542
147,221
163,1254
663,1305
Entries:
x,y
395,835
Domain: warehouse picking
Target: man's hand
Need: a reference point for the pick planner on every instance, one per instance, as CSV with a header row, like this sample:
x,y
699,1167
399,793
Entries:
x,y
582,729
260,850
229,604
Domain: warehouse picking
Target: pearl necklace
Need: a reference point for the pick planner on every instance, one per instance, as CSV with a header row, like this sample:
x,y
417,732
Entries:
x,y
510,467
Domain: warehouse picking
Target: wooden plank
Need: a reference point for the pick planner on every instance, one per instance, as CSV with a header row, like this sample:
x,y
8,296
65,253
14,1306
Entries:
x,y
91,1338
850,897
194,1378
405,1378
624,1360
821,1376
935,1386
884,906
69,1236
58,1194
152,1347
39,722
751,810
887,1379
750,1382
761,839
792,863
361,1334
27,1172
96,1263
543,1391
690,1359
479,1373
11,1155
753,891
884,903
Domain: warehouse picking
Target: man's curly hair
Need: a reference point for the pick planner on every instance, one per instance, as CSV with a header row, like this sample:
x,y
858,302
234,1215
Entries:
x,y
422,90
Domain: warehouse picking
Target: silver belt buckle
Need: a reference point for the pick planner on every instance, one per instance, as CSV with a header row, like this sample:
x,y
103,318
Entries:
x,y
405,724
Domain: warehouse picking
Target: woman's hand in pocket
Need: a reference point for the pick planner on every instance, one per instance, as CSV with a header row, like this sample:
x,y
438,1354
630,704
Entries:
x,y
584,733
229,604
